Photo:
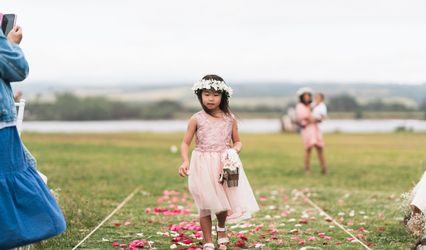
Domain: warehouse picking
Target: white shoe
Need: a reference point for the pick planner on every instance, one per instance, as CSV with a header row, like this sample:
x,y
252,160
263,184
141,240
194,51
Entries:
x,y
208,246
222,242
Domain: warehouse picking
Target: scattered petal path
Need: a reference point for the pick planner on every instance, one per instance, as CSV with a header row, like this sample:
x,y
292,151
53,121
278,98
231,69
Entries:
x,y
286,220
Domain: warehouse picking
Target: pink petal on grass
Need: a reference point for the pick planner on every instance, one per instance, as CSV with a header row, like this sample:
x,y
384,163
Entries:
x,y
240,243
150,243
242,236
177,239
370,244
285,199
303,221
198,235
188,241
284,213
137,243
117,244
258,244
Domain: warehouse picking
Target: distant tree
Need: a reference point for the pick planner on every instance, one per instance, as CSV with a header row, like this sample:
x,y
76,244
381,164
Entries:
x,y
290,105
70,107
259,108
358,114
378,105
343,103
162,110
423,107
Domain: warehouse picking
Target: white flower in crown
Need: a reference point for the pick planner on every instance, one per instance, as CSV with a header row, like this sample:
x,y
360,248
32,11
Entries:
x,y
212,84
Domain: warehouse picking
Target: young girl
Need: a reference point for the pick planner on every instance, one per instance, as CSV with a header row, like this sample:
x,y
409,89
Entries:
x,y
311,133
319,109
214,127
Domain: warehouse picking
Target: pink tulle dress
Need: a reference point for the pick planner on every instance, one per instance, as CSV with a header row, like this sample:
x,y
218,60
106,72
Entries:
x,y
212,138
311,133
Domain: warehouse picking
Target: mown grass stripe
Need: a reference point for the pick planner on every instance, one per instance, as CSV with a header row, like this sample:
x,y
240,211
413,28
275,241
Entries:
x,y
332,219
128,198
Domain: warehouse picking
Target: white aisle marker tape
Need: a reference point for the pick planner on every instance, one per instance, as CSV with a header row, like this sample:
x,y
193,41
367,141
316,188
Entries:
x,y
333,220
129,197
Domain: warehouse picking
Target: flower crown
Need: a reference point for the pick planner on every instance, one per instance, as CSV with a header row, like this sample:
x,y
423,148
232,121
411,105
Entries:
x,y
212,84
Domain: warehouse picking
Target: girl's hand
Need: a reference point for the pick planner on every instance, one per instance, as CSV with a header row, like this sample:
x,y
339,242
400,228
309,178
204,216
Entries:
x,y
183,169
313,120
15,35
238,150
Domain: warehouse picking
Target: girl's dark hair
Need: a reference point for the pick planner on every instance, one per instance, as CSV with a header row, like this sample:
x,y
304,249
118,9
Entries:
x,y
224,103
303,101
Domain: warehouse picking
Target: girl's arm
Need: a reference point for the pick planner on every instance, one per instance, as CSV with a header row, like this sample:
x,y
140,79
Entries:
x,y
184,147
237,145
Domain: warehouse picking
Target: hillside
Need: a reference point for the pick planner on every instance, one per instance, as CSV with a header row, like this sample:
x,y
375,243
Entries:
x,y
246,94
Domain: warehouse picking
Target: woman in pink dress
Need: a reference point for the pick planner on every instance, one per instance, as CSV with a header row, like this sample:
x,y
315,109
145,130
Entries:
x,y
215,127
311,133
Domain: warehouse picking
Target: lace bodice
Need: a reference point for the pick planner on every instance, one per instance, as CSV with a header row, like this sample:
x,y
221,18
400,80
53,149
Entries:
x,y
213,134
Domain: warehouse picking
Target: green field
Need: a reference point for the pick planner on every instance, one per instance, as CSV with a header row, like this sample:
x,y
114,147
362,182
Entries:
x,y
93,173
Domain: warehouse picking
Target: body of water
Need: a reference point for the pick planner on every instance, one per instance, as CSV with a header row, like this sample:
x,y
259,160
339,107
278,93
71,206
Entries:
x,y
245,126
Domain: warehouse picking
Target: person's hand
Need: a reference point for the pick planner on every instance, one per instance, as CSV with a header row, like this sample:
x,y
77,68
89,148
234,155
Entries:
x,y
237,149
183,169
18,96
15,35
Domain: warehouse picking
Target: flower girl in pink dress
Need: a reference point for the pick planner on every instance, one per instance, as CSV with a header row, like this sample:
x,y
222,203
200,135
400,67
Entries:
x,y
216,179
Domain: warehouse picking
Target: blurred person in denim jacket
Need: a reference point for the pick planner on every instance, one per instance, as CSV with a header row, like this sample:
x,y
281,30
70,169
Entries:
x,y
28,211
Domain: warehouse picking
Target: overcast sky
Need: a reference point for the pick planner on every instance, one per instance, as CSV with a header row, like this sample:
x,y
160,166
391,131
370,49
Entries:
x,y
145,41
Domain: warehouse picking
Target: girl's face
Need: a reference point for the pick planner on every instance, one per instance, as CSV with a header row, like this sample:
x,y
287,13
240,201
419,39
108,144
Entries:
x,y
318,98
211,99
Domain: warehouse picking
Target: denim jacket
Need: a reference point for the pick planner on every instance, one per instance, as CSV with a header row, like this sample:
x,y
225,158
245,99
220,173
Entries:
x,y
13,68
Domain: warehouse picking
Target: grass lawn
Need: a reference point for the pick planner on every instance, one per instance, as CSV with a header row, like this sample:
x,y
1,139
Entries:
x,y
93,173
